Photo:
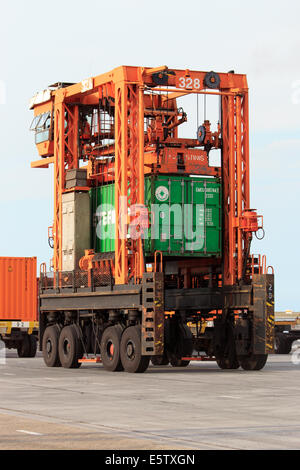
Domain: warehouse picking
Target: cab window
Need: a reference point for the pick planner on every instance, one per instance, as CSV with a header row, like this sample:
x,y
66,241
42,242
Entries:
x,y
41,124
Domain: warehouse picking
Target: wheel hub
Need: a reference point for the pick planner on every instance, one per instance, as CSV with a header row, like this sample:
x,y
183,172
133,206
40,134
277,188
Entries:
x,y
130,350
49,347
66,347
110,349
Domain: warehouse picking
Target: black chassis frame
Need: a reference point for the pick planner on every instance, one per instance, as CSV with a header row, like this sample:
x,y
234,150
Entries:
x,y
254,331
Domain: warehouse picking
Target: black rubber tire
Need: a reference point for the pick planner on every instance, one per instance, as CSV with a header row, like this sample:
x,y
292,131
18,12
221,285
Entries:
x,y
160,360
33,345
110,348
289,345
69,347
25,347
188,343
254,362
130,350
183,347
226,363
282,344
50,346
224,345
277,344
177,362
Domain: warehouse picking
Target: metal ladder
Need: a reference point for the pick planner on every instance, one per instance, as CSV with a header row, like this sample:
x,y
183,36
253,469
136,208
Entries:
x,y
153,314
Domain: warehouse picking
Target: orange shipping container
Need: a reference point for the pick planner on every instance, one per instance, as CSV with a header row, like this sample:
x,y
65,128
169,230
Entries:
x,y
18,289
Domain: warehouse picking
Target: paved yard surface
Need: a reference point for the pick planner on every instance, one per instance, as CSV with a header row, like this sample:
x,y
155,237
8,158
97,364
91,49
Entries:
x,y
201,407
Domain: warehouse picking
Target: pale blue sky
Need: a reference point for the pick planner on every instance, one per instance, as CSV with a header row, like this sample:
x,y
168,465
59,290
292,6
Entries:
x,y
42,43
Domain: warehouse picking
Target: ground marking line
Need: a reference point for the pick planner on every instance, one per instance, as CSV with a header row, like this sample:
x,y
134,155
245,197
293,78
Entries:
x,y
227,396
29,432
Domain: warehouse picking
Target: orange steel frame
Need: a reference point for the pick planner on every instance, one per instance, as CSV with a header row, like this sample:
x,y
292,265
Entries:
x,y
127,86
65,157
236,196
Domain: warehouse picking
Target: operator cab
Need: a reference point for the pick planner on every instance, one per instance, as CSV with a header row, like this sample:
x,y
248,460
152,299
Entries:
x,y
43,121
42,126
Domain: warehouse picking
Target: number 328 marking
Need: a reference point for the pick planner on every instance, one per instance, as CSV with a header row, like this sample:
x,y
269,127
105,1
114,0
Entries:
x,y
188,82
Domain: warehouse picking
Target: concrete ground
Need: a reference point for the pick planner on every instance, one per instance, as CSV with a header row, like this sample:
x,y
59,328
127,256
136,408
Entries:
x,y
201,407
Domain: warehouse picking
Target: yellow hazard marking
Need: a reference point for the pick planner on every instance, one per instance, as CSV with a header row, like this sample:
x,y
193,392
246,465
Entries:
x,y
6,326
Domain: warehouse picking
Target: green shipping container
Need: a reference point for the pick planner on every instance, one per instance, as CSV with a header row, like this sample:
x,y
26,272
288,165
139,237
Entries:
x,y
103,213
184,216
